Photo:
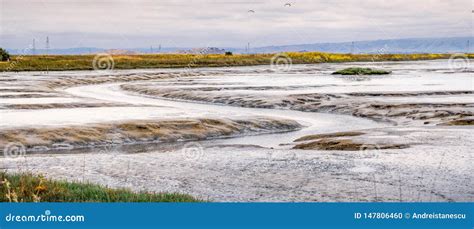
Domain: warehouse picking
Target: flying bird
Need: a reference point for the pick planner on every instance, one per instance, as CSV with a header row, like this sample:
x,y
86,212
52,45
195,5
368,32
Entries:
x,y
251,11
288,4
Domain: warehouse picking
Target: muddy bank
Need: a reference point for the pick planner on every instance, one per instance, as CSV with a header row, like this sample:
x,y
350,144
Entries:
x,y
342,141
67,81
459,122
60,105
330,135
344,145
23,90
356,104
26,95
130,132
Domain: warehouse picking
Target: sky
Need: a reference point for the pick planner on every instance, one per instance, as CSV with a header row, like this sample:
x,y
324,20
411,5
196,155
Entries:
x,y
225,23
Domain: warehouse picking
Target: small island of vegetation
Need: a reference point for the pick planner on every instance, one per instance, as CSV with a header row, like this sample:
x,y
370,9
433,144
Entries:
x,y
4,55
361,71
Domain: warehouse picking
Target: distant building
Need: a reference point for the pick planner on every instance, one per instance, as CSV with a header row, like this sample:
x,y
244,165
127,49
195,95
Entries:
x,y
120,52
208,50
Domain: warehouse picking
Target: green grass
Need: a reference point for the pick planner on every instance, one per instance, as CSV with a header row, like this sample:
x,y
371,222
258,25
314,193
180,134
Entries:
x,y
33,188
361,71
84,62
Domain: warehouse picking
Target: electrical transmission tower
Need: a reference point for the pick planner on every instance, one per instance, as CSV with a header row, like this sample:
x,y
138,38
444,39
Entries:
x,y
47,45
33,49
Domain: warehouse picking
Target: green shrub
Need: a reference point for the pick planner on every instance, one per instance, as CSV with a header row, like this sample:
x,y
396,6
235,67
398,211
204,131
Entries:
x,y
361,71
4,55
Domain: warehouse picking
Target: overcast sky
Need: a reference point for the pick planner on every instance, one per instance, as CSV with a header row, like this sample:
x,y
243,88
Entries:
x,y
226,23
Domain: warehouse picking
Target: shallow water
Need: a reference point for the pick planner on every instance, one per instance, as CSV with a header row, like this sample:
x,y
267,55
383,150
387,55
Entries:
x,y
314,122
402,79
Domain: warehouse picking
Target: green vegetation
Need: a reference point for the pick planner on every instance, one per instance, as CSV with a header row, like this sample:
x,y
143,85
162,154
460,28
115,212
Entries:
x,y
4,55
361,71
32,188
85,62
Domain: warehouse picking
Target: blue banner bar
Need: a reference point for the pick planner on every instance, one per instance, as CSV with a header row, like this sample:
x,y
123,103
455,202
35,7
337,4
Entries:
x,y
237,215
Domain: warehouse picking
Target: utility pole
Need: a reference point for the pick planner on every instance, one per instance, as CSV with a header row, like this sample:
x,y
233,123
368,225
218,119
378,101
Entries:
x,y
47,45
159,48
468,47
151,49
33,49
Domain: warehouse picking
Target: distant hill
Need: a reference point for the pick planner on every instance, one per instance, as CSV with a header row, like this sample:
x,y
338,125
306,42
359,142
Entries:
x,y
413,45
120,52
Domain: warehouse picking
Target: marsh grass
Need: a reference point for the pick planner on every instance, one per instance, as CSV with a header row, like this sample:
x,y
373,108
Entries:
x,y
84,62
34,188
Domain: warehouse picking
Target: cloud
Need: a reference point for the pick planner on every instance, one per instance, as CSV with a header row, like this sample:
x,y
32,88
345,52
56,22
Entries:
x,y
139,23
